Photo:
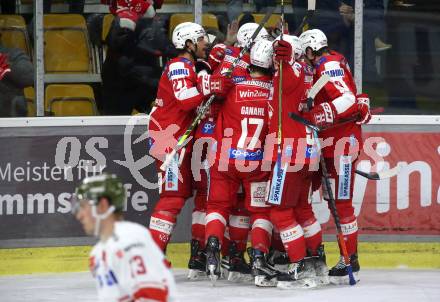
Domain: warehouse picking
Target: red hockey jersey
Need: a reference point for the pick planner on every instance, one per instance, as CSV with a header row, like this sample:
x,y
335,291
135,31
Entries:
x,y
242,123
297,141
341,91
174,110
240,71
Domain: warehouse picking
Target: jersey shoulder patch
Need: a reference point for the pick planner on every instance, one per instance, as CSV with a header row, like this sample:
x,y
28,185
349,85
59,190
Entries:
x,y
178,70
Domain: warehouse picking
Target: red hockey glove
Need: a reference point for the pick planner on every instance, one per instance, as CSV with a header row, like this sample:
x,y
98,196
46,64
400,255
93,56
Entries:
x,y
323,115
283,52
144,8
4,65
128,19
213,84
363,104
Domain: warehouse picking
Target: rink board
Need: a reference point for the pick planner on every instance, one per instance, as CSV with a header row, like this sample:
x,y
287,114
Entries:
x,y
44,158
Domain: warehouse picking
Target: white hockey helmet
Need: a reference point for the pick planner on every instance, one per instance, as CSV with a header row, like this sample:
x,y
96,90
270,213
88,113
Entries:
x,y
296,44
187,31
262,54
313,38
246,31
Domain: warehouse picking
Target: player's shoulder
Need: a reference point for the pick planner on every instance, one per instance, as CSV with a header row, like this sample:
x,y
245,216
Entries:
x,y
179,68
330,64
124,229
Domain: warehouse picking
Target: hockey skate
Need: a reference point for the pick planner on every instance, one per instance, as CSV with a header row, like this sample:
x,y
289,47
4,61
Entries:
x,y
224,267
239,270
321,268
338,274
264,275
278,261
213,259
300,275
197,261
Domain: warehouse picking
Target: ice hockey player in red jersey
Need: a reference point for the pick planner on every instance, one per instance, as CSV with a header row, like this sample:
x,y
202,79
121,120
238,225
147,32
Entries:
x,y
180,91
240,131
126,263
291,176
336,103
303,209
221,59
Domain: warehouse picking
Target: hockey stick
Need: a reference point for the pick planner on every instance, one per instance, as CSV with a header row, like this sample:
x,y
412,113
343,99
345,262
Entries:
x,y
204,108
372,175
311,5
332,204
381,174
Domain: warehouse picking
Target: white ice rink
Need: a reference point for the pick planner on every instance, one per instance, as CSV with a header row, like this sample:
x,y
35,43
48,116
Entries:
x,y
375,285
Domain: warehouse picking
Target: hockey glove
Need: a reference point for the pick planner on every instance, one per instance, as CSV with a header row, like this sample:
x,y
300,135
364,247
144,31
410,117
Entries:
x,y
4,65
322,116
202,65
144,8
283,52
128,19
363,105
213,84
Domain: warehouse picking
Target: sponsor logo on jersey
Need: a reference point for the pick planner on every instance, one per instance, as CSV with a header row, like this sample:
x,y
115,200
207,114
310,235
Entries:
x,y
253,95
228,51
246,155
344,177
208,128
334,72
311,152
238,79
247,110
178,72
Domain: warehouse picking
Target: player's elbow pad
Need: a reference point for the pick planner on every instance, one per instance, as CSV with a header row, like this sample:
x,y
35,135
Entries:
x,y
345,105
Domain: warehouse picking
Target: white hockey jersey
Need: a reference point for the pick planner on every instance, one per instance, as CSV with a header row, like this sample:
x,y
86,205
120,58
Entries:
x,y
130,267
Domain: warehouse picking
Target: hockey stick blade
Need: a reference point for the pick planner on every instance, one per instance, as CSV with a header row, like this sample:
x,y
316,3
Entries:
x,y
380,175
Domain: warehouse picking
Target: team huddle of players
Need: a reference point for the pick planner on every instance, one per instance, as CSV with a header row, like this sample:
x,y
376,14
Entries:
x,y
260,166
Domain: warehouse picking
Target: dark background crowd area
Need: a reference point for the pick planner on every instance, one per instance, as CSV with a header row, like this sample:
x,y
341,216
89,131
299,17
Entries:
x,y
401,49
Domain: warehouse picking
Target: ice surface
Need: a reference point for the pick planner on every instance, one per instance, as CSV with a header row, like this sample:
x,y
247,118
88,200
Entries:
x,y
376,285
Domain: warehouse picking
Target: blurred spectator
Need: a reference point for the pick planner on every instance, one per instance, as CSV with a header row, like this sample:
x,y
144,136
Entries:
x,y
131,70
75,6
16,73
262,5
246,18
335,19
7,6
234,9
374,25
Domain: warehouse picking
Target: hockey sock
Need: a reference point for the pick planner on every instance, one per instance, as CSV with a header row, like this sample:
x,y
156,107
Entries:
x,y
350,231
312,235
163,219
198,220
215,225
277,244
239,230
261,234
291,232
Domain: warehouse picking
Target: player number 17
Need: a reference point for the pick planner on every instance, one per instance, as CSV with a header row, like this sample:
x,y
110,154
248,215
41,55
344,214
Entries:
x,y
244,132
